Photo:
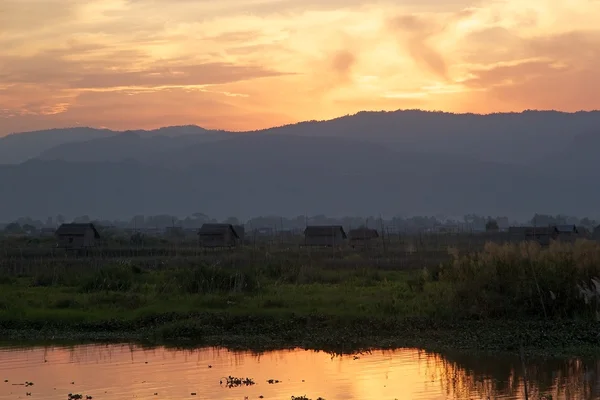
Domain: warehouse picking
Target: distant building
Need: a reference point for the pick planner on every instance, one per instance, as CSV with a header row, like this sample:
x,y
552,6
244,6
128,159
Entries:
x,y
518,231
566,233
77,236
543,234
240,230
539,234
47,232
566,229
217,235
324,235
362,237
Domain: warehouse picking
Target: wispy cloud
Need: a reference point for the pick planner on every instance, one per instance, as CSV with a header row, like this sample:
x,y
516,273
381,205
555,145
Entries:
x,y
245,64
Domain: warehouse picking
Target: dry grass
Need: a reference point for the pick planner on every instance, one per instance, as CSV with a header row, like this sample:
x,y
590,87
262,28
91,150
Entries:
x,y
525,279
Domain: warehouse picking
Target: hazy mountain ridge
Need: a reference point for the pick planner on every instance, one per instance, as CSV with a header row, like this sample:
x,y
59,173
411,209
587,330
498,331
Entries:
x,y
405,162
124,146
286,176
19,147
520,138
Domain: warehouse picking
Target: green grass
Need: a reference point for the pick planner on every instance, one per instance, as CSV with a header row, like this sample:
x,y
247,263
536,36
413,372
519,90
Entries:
x,y
495,300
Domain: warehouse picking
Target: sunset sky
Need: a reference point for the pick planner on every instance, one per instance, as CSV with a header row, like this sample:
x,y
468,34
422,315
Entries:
x,y
248,64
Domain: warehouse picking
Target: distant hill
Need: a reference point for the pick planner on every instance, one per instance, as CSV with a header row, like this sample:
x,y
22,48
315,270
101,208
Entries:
x,y
19,147
503,137
124,146
408,162
517,138
579,159
247,176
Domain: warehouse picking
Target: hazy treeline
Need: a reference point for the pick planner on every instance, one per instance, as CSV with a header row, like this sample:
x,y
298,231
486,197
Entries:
x,y
466,223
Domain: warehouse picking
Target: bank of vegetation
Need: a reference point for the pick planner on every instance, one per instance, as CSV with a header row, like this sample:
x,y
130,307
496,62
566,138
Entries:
x,y
500,298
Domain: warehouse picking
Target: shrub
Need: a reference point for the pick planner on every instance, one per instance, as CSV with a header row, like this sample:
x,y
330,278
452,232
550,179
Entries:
x,y
523,279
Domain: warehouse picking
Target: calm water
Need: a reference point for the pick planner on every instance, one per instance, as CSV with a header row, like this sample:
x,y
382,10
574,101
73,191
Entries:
x,y
111,372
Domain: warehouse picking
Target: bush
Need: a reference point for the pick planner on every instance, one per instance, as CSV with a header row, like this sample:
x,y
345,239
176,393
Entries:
x,y
523,279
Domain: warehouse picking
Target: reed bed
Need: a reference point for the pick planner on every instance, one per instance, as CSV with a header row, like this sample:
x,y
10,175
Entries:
x,y
323,296
560,280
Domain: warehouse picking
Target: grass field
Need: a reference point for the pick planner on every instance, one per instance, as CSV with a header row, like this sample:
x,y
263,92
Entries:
x,y
495,299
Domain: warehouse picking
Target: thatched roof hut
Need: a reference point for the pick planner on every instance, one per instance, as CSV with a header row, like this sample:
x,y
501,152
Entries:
x,y
76,236
324,235
217,235
362,236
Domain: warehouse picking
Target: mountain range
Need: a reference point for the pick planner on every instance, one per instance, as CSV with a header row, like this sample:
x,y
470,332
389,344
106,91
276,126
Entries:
x,y
405,162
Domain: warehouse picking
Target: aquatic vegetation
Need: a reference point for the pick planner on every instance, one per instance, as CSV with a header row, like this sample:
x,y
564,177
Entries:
x,y
522,279
492,299
231,381
305,398
77,396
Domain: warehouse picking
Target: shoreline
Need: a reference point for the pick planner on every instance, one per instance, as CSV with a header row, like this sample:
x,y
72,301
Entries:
x,y
551,338
497,300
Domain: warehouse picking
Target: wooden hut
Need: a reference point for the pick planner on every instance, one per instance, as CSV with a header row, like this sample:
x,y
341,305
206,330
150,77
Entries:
x,y
363,237
240,231
217,235
76,236
539,234
565,233
324,235
47,232
543,234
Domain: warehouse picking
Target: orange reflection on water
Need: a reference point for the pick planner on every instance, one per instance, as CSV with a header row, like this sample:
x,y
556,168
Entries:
x,y
113,372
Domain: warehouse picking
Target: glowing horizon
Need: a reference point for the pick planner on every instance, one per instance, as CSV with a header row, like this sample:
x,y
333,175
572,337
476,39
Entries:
x,y
243,65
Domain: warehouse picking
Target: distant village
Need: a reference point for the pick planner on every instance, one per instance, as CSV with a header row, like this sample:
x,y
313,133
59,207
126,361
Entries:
x,y
320,231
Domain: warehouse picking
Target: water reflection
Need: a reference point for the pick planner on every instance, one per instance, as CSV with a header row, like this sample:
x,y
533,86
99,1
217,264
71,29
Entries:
x,y
124,371
487,377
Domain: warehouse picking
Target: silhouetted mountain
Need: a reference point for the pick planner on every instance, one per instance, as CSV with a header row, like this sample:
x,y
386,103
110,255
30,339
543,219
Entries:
x,y
502,137
286,175
578,159
408,162
127,145
19,147
520,138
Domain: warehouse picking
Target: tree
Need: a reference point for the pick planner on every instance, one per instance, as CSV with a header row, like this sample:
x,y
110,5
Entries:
x,y
29,229
491,226
13,227
589,223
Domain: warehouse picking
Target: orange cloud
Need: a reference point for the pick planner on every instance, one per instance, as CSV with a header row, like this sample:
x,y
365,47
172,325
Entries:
x,y
243,64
